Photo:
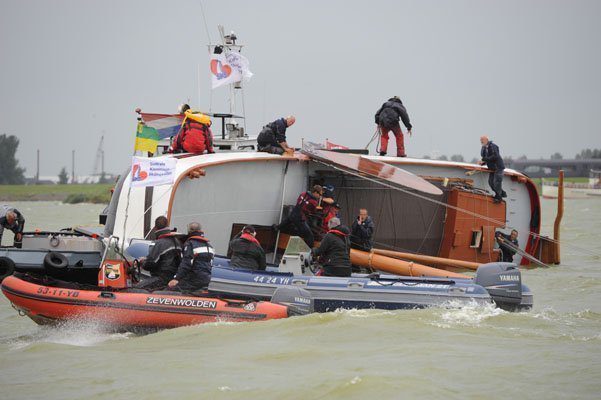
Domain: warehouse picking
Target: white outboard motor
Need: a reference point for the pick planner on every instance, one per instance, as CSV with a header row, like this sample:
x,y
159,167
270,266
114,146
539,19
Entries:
x,y
503,281
299,301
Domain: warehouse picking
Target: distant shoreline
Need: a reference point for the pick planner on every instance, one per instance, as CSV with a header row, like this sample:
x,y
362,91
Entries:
x,y
72,194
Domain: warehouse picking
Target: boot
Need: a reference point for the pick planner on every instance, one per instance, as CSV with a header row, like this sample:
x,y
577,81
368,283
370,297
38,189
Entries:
x,y
382,153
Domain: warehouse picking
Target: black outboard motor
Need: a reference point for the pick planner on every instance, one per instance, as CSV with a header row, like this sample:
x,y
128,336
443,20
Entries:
x,y
503,281
299,301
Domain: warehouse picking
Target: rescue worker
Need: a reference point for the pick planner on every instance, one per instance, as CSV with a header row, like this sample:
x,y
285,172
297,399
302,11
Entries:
x,y
334,250
272,139
494,162
246,250
162,261
11,218
195,134
507,252
160,223
194,272
306,206
362,231
387,119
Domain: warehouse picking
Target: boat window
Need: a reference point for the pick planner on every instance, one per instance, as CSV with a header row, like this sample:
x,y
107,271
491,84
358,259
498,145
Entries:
x,y
476,239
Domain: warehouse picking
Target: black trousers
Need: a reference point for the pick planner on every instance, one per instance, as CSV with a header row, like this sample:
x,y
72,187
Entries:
x,y
297,226
495,181
271,149
337,270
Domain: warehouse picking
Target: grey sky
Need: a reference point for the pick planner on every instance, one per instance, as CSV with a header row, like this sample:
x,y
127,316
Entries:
x,y
527,73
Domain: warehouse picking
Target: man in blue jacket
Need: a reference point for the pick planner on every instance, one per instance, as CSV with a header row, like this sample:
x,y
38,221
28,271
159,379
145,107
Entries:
x,y
491,156
272,139
194,272
362,231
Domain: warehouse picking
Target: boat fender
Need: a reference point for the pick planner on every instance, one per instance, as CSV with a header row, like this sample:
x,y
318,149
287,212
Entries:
x,y
299,301
503,281
7,267
56,261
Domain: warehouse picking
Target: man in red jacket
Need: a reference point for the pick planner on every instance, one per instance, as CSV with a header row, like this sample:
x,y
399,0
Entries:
x,y
194,136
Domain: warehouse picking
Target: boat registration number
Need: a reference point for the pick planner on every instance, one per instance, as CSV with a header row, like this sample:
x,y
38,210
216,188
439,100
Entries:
x,y
273,280
58,292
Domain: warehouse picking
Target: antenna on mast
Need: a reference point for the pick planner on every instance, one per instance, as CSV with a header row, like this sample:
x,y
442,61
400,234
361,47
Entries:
x,y
99,161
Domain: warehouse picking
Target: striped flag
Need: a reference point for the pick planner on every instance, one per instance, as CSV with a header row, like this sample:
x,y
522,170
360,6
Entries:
x,y
166,125
146,138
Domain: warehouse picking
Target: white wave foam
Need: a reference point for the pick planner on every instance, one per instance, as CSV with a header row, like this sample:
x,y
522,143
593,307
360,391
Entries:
x,y
80,333
462,314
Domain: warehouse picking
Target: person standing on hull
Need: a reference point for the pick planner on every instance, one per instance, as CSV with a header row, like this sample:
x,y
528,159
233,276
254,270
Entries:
x,y
507,252
362,231
195,134
162,261
246,250
11,218
491,156
194,272
334,250
387,119
272,139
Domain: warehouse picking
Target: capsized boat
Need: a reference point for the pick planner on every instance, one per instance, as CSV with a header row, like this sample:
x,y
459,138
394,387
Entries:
x,y
48,301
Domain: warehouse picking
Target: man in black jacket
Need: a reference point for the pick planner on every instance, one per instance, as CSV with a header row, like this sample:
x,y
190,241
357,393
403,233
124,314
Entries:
x,y
194,272
11,218
334,250
247,252
272,139
162,261
507,251
362,231
387,119
491,156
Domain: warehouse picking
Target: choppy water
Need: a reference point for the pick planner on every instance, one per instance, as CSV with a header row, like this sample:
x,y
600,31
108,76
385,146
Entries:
x,y
551,352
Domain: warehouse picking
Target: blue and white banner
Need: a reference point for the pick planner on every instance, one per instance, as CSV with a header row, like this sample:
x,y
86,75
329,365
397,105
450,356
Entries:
x,y
152,171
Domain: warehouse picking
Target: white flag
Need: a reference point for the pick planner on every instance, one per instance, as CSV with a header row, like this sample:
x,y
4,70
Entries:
x,y
229,68
152,171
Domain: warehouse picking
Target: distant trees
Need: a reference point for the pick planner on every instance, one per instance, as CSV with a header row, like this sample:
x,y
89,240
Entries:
x,y
556,156
589,153
443,158
63,176
457,157
10,172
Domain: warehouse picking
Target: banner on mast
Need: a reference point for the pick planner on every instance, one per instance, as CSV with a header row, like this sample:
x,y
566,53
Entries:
x,y
229,68
152,171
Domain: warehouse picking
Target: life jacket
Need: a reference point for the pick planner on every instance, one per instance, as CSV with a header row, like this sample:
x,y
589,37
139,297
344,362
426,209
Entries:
x,y
250,238
194,137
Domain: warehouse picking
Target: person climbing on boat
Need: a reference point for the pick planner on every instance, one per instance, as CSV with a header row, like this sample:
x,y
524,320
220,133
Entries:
x,y
507,252
362,231
334,250
11,218
306,207
162,261
194,272
246,250
272,138
387,119
195,135
491,156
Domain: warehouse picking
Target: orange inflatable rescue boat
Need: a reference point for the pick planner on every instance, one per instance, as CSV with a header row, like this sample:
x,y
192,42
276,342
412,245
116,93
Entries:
x,y
48,301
